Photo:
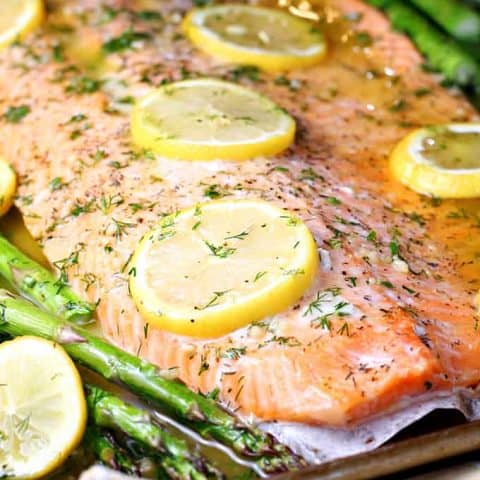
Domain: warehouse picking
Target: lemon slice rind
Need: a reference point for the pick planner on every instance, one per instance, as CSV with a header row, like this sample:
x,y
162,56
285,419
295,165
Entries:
x,y
28,17
8,186
410,167
42,407
265,273
268,59
149,134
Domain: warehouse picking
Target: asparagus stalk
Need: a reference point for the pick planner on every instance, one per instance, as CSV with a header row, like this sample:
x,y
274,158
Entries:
x,y
460,21
19,317
443,54
472,49
40,286
108,452
474,3
108,411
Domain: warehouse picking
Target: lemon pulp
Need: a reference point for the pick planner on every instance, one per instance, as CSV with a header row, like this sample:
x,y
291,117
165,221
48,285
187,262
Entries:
x,y
442,161
452,150
18,18
216,267
8,186
42,407
208,119
270,39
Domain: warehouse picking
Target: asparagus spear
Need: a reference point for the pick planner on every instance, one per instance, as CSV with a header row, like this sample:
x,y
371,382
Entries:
x,y
460,21
472,50
443,54
108,411
473,3
40,286
108,452
19,317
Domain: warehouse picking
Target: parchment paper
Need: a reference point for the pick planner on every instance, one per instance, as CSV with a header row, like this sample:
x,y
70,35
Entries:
x,y
320,444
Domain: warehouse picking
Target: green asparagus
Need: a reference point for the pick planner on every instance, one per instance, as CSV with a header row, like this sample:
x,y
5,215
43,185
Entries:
x,y
19,317
460,21
108,411
40,286
472,49
473,3
108,452
442,53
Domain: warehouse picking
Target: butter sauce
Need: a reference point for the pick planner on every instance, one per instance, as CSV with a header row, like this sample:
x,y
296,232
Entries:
x,y
452,150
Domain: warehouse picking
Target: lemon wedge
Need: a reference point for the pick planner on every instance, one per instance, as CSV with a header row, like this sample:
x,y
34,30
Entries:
x,y
211,269
18,18
270,39
209,119
442,161
8,186
42,407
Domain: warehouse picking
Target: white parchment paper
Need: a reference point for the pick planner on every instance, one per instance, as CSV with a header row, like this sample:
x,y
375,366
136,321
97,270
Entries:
x,y
320,444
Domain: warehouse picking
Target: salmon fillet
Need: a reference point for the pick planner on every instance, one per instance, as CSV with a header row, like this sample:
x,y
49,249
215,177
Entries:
x,y
374,329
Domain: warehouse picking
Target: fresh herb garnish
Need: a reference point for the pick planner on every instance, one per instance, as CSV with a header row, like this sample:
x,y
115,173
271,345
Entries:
x,y
214,300
78,117
120,227
234,353
249,72
201,3
80,208
259,275
333,201
221,251
238,236
124,41
57,53
398,105
15,114
372,236
363,39
149,15
204,365
394,248
213,191
56,184
108,202
309,174
82,85
291,83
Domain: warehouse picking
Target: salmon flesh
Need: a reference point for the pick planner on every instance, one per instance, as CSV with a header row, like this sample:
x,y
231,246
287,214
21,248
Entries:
x,y
391,314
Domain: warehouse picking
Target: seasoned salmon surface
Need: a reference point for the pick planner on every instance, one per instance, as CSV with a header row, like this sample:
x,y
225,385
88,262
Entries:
x,y
391,314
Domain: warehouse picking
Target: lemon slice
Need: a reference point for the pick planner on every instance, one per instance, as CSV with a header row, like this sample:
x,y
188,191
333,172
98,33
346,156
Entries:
x,y
442,161
42,407
210,119
8,186
218,266
18,18
272,40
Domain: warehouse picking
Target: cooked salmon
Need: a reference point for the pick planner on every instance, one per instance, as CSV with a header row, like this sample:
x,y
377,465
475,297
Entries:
x,y
392,312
